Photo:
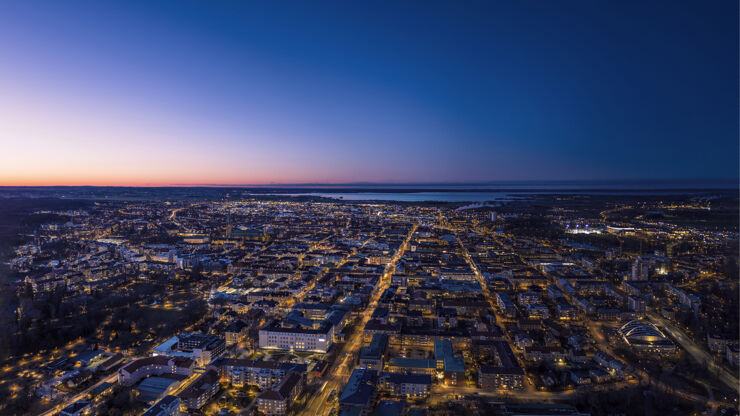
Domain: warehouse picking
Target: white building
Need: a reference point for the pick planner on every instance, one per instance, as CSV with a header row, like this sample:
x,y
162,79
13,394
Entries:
x,y
297,339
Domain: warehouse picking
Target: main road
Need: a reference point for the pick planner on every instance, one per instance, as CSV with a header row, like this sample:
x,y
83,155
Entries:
x,y
697,352
341,370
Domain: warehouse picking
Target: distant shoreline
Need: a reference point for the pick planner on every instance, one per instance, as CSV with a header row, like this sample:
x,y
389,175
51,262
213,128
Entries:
x,y
363,194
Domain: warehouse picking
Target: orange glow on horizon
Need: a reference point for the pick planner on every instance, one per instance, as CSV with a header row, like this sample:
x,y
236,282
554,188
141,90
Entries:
x,y
138,181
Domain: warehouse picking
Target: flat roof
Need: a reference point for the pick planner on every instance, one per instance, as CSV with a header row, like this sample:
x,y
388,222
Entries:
x,y
412,363
166,346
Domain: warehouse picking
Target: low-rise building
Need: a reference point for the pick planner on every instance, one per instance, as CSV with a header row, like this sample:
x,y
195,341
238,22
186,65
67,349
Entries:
x,y
153,388
262,373
109,363
78,408
202,348
277,401
235,332
505,378
167,406
507,374
359,392
406,385
197,394
580,377
612,365
451,366
101,392
274,336
134,371
412,366
505,304
371,357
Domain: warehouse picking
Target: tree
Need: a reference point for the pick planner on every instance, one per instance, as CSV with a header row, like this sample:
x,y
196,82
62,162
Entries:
x,y
196,273
28,291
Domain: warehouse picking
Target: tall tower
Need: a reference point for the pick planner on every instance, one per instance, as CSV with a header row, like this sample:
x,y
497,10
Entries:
x,y
640,269
636,269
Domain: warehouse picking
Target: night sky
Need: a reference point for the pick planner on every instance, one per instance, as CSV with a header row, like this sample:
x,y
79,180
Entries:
x,y
163,93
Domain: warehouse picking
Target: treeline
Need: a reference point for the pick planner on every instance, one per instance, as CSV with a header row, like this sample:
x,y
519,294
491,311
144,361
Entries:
x,y
533,226
636,401
51,320
17,220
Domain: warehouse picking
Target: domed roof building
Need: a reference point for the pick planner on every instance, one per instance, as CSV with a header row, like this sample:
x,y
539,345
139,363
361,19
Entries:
x,y
646,337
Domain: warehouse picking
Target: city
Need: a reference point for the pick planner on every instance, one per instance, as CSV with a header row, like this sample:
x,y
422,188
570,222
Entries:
x,y
370,208
268,305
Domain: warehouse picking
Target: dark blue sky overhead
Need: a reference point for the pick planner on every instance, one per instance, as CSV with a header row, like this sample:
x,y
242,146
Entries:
x,y
289,92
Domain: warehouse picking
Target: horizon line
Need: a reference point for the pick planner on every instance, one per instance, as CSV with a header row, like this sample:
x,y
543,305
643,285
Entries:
x,y
724,181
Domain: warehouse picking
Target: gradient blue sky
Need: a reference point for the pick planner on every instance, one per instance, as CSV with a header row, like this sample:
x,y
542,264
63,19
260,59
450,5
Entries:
x,y
158,93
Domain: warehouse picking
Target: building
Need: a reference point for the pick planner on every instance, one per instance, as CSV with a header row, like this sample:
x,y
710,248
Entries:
x,y
101,392
274,336
90,358
319,369
528,298
277,401
504,378
565,310
685,297
505,305
717,343
537,310
79,377
636,304
447,318
580,377
315,311
412,366
78,408
612,365
451,366
733,355
235,332
598,375
371,357
359,392
202,348
406,385
261,373
506,375
153,388
538,353
111,362
646,338
134,371
640,269
197,394
168,406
